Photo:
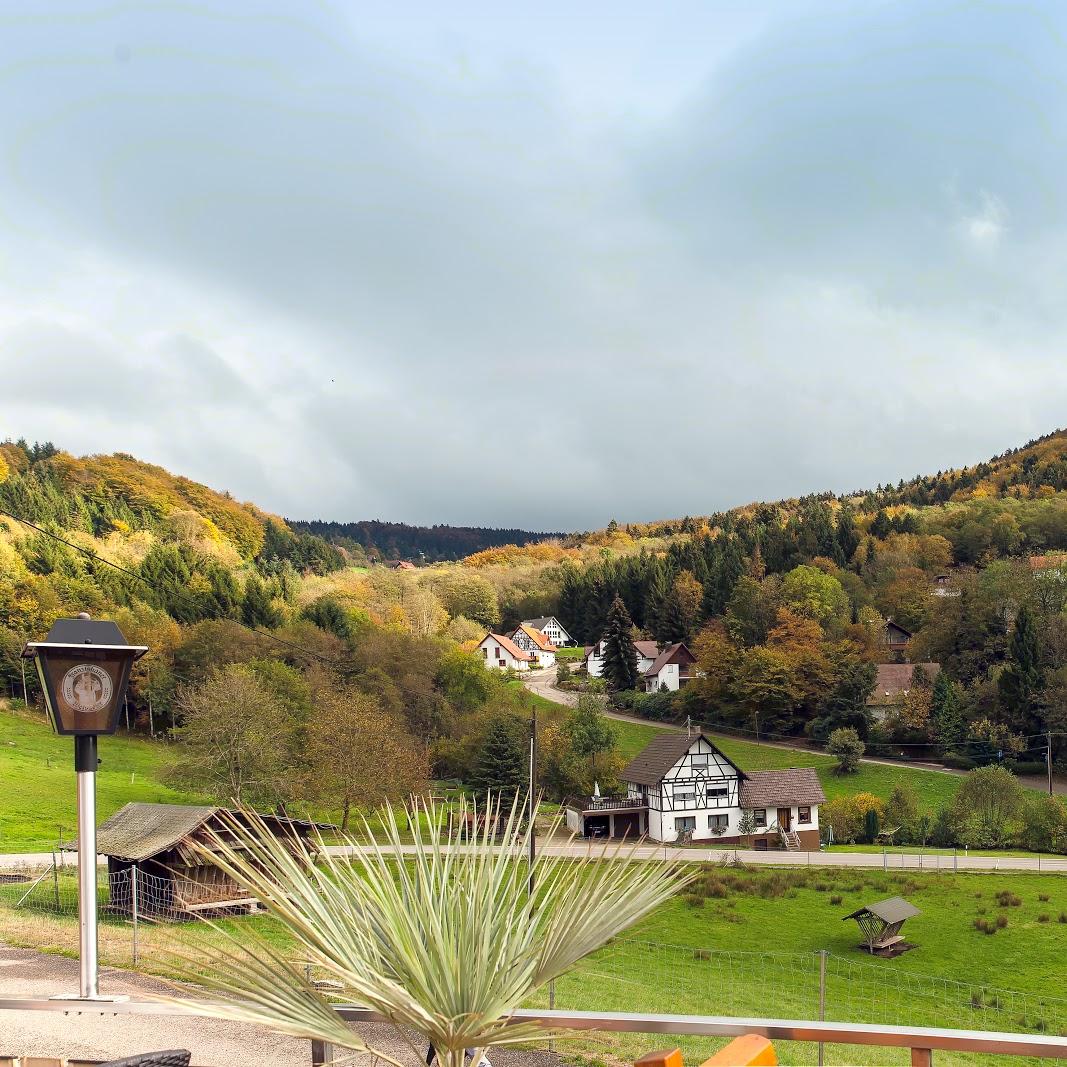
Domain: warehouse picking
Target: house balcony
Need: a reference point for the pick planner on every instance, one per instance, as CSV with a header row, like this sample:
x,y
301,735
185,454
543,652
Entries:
x,y
609,816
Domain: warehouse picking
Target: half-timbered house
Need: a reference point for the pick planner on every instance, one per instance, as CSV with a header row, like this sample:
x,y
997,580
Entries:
x,y
681,787
552,628
536,644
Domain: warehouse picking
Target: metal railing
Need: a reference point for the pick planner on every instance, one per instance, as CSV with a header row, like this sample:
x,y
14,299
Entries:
x,y
923,1041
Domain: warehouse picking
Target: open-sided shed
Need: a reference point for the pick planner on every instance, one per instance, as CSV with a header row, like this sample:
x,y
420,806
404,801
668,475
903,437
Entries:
x,y
175,879
881,924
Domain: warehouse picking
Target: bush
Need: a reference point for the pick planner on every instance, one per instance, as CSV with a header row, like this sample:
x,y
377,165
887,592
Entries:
x,y
1043,897
1002,922
1026,766
836,899
1043,917
694,900
845,745
1063,916
958,762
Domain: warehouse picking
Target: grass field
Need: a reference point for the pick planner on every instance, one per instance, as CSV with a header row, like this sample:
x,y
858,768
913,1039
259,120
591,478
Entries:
x,y
37,801
748,943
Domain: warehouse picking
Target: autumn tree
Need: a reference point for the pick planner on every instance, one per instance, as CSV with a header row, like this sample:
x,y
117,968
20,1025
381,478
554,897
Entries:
x,y
236,738
620,653
358,755
845,745
816,594
985,807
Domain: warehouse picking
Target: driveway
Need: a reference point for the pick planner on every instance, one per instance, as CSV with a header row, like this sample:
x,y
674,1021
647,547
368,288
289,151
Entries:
x,y
214,1043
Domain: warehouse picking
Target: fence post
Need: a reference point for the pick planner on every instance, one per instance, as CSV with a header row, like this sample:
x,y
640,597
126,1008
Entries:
x,y
822,995
551,1007
321,1053
133,902
55,881
954,867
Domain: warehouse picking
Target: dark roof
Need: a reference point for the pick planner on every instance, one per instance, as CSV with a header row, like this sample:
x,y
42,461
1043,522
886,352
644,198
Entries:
x,y
139,831
890,625
651,764
895,679
541,623
768,789
677,653
893,910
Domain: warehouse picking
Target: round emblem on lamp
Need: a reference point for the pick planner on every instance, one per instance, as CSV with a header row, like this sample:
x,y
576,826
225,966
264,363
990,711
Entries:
x,y
87,688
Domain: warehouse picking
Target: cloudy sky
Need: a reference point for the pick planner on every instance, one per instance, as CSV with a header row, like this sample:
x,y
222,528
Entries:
x,y
533,264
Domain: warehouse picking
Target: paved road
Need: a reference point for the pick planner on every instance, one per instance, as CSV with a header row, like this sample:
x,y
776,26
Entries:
x,y
214,1043
543,683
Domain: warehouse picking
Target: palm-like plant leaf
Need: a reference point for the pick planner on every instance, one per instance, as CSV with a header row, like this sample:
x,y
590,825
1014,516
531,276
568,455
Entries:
x,y
445,941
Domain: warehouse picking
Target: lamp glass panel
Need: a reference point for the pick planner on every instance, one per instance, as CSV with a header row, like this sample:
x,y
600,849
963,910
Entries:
x,y
85,690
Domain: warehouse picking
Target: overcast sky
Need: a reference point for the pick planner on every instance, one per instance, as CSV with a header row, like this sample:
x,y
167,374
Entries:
x,y
533,265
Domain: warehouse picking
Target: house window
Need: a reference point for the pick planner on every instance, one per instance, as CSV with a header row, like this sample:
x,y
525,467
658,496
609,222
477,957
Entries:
x,y
803,814
717,823
498,652
485,653
761,816
686,797
699,759
716,796
685,822
502,663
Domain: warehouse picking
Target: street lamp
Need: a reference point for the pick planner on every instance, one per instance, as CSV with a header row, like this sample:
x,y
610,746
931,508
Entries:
x,y
84,667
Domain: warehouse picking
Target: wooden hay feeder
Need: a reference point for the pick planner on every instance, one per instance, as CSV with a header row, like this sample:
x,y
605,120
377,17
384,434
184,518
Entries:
x,y
881,924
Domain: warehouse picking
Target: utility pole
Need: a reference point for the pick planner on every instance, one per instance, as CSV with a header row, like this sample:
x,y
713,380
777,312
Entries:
x,y
1048,761
533,796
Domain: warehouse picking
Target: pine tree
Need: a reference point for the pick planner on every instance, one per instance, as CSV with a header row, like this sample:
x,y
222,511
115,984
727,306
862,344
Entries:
x,y
256,606
880,525
500,766
847,538
1021,681
674,625
656,602
620,655
946,714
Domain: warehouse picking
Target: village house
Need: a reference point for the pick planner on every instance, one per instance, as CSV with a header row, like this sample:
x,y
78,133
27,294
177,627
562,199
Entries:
x,y
897,639
680,786
536,644
671,670
1051,566
501,653
164,842
944,586
402,565
893,683
553,629
647,652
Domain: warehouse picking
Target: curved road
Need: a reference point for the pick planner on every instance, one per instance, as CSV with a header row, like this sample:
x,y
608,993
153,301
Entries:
x,y
543,684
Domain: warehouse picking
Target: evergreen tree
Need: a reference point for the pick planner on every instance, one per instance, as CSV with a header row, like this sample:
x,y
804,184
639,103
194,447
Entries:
x,y
881,527
674,624
256,606
847,538
1021,681
946,713
620,655
501,766
659,591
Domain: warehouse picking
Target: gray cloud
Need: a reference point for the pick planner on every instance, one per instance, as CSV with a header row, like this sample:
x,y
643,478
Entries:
x,y
351,282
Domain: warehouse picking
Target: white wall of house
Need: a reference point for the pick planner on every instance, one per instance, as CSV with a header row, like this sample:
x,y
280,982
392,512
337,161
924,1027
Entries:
x,y
496,656
669,676
542,657
554,631
594,663
705,787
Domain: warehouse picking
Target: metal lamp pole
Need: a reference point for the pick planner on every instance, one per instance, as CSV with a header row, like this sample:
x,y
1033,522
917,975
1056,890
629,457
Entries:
x,y
85,764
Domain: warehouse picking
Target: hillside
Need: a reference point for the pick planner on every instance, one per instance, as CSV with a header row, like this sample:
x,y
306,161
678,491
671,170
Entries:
x,y
378,540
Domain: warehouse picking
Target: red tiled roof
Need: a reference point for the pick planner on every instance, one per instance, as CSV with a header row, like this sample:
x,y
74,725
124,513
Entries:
x,y
508,645
769,789
537,637
894,679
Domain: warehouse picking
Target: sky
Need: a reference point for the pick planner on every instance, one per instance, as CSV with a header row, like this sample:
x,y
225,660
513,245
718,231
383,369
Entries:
x,y
533,265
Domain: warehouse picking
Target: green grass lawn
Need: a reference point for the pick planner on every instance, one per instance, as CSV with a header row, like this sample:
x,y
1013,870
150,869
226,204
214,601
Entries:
x,y
37,801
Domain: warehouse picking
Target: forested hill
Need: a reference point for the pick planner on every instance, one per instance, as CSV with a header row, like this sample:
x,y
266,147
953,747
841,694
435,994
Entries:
x,y
431,544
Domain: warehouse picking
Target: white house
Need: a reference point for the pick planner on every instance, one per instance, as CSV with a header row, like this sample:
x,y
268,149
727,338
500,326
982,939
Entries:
x,y
671,670
647,651
553,629
500,653
536,644
683,786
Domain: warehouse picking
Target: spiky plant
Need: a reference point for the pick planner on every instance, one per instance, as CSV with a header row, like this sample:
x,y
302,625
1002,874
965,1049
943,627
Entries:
x,y
446,942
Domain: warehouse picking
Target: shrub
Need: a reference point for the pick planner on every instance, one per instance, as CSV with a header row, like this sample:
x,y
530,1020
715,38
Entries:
x,y
1043,897
982,911
845,745
1002,922
1063,916
701,954
1043,917
694,900
976,1001
958,762
836,899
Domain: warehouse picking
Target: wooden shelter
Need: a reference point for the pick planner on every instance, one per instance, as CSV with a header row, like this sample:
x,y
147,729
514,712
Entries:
x,y
881,924
174,878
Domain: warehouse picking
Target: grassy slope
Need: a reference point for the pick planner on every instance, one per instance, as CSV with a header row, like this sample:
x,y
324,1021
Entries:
x,y
37,774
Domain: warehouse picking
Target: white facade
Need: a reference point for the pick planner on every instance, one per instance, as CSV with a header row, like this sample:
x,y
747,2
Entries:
x,y
702,792
497,654
668,677
553,629
543,657
646,650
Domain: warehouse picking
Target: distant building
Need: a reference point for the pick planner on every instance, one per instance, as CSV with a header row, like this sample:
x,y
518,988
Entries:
x,y
552,628
897,639
1053,565
672,669
893,683
402,565
501,653
536,644
683,786
647,651
944,586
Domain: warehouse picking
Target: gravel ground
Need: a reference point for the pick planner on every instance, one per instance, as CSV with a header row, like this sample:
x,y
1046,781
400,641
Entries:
x,y
214,1043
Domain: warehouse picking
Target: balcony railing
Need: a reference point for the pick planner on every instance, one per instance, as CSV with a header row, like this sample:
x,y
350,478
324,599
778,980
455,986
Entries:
x,y
923,1041
608,803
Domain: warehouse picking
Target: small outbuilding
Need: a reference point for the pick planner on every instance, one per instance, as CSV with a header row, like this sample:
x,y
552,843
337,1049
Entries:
x,y
174,878
881,924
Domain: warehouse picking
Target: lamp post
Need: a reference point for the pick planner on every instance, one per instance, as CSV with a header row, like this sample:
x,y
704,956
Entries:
x,y
84,668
